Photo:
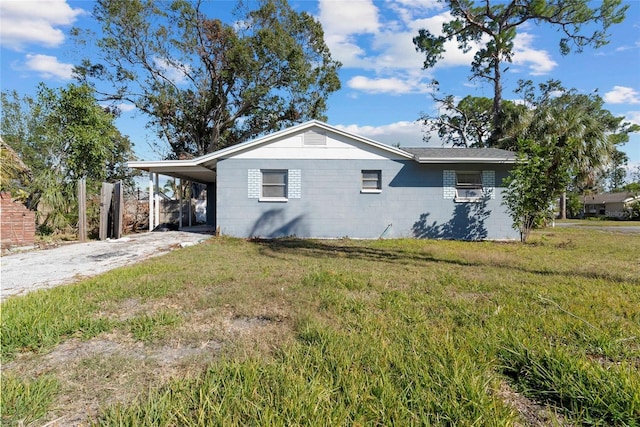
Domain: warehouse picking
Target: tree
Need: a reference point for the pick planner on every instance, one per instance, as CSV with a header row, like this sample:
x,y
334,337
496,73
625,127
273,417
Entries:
x,y
563,137
465,124
495,27
61,136
469,123
533,185
205,84
13,172
617,172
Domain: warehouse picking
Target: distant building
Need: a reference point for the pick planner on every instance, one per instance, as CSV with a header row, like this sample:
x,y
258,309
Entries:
x,y
609,205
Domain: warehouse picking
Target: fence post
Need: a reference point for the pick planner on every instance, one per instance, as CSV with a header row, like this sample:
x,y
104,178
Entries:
x,y
105,205
118,205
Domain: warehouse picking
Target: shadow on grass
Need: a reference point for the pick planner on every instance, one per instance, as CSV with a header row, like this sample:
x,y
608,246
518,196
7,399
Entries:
x,y
321,249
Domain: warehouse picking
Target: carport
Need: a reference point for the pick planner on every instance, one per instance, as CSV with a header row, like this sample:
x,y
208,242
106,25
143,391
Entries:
x,y
200,170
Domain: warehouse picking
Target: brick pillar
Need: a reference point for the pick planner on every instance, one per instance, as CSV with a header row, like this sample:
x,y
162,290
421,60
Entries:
x,y
17,223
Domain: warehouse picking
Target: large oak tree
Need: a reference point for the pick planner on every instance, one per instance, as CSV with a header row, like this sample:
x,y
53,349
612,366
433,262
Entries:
x,y
207,84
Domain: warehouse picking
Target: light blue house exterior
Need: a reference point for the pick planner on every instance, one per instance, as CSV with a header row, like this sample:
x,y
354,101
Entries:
x,y
316,181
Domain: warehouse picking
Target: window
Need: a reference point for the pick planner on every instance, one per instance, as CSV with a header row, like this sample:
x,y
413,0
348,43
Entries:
x,y
274,185
468,185
371,181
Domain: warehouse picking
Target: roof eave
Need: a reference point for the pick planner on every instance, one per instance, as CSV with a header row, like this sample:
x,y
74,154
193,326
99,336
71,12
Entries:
x,y
449,160
149,164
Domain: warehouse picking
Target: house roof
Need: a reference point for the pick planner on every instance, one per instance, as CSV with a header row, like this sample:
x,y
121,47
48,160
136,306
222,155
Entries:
x,y
203,168
461,155
602,198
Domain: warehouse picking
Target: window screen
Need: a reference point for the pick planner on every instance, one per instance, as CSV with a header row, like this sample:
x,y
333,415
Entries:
x,y
371,180
468,179
274,183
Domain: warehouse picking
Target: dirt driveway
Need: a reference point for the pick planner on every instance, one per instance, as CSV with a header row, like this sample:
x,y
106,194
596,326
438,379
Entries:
x,y
38,269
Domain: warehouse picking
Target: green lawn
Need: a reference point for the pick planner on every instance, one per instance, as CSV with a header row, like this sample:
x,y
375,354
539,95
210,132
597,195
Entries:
x,y
343,332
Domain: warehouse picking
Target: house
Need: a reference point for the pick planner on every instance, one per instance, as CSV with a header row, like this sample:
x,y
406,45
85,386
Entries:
x,y
315,180
609,205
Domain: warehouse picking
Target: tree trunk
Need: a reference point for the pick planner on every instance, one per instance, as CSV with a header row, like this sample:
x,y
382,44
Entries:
x,y
563,205
497,135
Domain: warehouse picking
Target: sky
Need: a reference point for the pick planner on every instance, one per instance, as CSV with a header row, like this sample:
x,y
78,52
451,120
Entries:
x,y
385,89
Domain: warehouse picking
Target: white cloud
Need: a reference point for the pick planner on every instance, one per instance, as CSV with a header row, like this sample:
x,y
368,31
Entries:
x,y
538,61
420,4
123,107
176,73
48,67
361,36
393,85
633,117
342,22
377,39
405,133
34,22
622,95
351,17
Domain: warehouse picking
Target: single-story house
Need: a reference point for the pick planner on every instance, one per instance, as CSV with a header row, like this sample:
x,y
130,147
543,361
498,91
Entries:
x,y
609,205
317,181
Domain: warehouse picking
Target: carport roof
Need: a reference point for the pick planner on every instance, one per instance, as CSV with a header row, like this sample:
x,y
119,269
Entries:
x,y
187,169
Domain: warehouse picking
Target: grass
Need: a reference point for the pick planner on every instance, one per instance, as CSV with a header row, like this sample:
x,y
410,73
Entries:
x,y
26,400
306,332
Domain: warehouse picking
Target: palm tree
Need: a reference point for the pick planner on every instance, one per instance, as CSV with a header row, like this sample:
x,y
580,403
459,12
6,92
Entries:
x,y
13,172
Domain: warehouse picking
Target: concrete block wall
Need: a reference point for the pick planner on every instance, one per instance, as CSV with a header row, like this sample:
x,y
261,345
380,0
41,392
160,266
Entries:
x,y
449,184
331,204
17,223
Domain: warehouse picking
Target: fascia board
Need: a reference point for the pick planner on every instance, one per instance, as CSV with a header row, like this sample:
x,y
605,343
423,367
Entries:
x,y
154,164
449,160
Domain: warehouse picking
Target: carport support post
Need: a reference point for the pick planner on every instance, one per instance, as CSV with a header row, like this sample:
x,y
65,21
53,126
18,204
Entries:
x,y
211,204
180,198
157,199
151,198
190,193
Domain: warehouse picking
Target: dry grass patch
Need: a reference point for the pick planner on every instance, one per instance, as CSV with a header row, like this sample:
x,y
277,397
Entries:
x,y
387,332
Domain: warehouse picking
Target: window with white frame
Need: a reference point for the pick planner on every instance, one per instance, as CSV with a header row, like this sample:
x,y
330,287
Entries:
x,y
274,184
371,181
468,185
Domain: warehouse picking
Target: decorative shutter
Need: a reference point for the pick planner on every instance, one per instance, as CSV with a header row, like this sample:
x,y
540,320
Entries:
x,y
254,187
449,184
489,184
294,186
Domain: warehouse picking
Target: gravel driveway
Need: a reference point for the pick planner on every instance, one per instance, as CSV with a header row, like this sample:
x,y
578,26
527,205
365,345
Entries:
x,y
38,269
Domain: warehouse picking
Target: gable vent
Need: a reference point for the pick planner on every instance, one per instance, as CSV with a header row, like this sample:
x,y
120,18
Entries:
x,y
315,138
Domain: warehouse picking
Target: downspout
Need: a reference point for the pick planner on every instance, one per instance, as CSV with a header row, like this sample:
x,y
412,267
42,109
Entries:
x,y
385,231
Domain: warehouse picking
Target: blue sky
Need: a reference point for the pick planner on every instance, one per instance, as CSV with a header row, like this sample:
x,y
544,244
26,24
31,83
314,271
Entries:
x,y
384,87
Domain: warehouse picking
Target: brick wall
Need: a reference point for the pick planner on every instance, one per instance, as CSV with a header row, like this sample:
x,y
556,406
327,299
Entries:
x,y
17,223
